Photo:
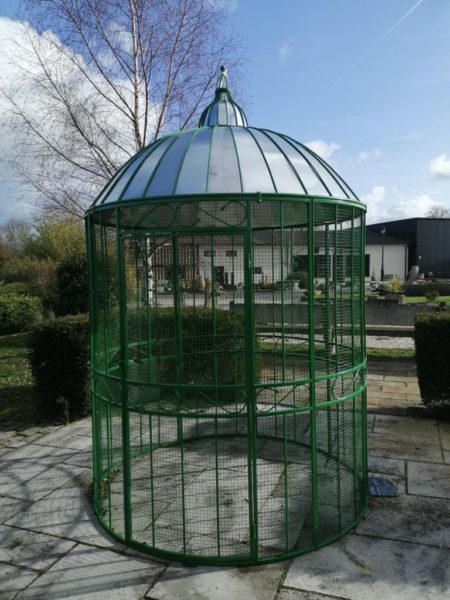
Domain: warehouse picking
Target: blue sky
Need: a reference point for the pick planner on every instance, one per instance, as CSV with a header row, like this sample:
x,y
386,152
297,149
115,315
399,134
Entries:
x,y
365,82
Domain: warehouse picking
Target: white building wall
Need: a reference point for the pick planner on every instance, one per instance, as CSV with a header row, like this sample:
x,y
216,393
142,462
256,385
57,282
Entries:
x,y
395,260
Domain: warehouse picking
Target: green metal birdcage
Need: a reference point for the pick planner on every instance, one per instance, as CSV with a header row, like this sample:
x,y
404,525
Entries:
x,y
228,360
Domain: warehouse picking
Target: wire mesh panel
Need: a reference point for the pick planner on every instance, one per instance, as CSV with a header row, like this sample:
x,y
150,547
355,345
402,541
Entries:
x,y
228,375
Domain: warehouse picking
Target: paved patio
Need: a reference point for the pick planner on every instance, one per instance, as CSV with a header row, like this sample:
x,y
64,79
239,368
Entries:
x,y
51,546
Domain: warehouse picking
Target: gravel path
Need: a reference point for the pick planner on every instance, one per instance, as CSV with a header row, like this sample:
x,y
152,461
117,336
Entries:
x,y
385,341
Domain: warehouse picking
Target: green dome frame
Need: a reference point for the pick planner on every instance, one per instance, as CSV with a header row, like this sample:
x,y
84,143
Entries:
x,y
228,366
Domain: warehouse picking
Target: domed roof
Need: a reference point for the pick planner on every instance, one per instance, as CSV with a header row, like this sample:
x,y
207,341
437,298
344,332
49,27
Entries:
x,y
224,156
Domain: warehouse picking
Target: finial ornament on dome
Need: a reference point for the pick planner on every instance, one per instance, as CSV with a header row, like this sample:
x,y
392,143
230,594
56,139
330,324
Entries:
x,y
222,82
223,110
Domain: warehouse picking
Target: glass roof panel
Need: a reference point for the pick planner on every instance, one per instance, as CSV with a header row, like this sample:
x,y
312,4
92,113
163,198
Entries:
x,y
194,172
329,181
222,115
212,114
224,174
166,173
140,180
255,174
285,178
309,179
125,177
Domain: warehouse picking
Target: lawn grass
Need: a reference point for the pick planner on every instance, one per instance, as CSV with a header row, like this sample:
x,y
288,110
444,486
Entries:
x,y
423,300
16,400
398,354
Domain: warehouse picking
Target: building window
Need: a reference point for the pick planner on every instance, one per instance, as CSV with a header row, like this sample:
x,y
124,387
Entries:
x,y
367,265
208,253
230,253
258,271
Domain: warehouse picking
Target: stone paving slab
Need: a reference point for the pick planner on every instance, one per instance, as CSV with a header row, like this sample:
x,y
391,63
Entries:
x,y
403,437
33,550
365,568
13,580
287,594
45,483
428,480
444,430
10,506
91,574
68,513
387,466
81,459
409,519
214,583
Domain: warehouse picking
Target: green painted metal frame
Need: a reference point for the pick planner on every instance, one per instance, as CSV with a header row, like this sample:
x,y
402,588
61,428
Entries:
x,y
331,405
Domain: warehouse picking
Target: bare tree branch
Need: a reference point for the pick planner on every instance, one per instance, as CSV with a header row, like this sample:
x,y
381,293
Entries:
x,y
96,79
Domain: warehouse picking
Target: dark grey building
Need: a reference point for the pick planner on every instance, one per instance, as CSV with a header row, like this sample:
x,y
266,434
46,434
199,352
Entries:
x,y
428,242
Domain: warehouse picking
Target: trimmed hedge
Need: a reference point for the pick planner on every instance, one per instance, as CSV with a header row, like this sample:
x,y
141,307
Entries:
x,y
432,339
420,289
72,286
59,354
20,288
19,312
199,346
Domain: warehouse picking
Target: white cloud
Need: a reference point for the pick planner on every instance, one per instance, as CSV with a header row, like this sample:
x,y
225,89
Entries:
x,y
368,155
373,201
440,166
21,76
406,208
285,50
389,207
324,149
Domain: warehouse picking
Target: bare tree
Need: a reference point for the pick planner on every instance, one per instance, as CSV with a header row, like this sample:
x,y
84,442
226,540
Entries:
x,y
14,234
438,212
100,79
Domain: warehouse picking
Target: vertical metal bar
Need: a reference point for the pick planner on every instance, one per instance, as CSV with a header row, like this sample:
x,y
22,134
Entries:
x,y
250,383
93,325
152,490
214,325
124,380
352,324
312,372
286,484
283,357
105,300
338,433
328,341
177,311
363,355
109,445
216,451
274,335
178,371
352,286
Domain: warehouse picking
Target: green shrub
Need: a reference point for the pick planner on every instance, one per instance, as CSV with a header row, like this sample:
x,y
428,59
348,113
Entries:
x,y
59,351
21,288
301,277
28,269
432,339
395,285
19,313
200,346
432,296
71,297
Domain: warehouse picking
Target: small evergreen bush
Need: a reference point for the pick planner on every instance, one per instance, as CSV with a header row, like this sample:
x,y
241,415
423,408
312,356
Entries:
x,y
71,295
19,312
59,354
432,339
